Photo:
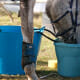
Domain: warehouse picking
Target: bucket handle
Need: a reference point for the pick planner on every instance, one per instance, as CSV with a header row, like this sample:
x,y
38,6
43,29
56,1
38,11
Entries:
x,y
47,37
43,28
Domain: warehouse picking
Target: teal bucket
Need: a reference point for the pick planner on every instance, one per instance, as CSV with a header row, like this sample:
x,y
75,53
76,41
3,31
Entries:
x,y
68,56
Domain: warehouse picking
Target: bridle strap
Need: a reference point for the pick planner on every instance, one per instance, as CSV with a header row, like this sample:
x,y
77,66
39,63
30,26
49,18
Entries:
x,y
71,13
76,14
57,20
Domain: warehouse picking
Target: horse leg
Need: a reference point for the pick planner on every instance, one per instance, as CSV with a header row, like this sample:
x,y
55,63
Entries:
x,y
26,13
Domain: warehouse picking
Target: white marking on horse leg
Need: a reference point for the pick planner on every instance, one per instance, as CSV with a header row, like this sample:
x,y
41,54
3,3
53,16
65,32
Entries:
x,y
30,72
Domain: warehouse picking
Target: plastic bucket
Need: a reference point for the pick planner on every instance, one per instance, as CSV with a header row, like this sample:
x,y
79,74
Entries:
x,y
10,50
37,41
68,56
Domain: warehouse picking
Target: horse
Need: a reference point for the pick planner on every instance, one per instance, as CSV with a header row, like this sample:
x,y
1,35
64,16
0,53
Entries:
x,y
26,14
54,10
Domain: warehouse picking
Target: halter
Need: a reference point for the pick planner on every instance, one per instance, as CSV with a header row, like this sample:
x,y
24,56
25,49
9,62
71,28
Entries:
x,y
73,20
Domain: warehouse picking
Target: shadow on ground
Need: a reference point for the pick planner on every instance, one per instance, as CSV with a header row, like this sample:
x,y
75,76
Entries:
x,y
53,75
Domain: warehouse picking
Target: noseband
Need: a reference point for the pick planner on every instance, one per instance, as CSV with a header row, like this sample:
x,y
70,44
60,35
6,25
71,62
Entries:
x,y
73,20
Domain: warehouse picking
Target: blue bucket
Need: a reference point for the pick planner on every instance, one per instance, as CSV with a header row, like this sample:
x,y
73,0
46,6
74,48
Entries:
x,y
37,41
68,56
10,50
31,52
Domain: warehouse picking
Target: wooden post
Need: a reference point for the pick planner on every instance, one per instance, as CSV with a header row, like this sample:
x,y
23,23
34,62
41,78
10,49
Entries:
x,y
26,13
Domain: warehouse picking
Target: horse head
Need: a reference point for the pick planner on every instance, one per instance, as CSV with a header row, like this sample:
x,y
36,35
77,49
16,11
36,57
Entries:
x,y
57,8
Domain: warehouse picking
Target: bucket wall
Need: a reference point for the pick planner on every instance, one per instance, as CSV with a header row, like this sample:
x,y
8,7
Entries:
x,y
68,56
37,41
10,50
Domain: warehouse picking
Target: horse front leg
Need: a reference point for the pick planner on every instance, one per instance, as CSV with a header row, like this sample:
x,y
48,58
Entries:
x,y
26,13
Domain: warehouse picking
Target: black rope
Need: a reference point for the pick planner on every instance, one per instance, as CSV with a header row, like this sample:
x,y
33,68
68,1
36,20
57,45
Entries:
x,y
64,32
53,27
47,37
76,13
50,32
76,17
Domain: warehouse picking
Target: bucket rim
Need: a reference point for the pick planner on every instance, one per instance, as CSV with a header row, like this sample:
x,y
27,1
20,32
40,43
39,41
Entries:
x,y
10,28
62,44
39,29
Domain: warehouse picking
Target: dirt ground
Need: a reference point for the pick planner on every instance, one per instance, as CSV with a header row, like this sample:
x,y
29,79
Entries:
x,y
51,76
55,76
